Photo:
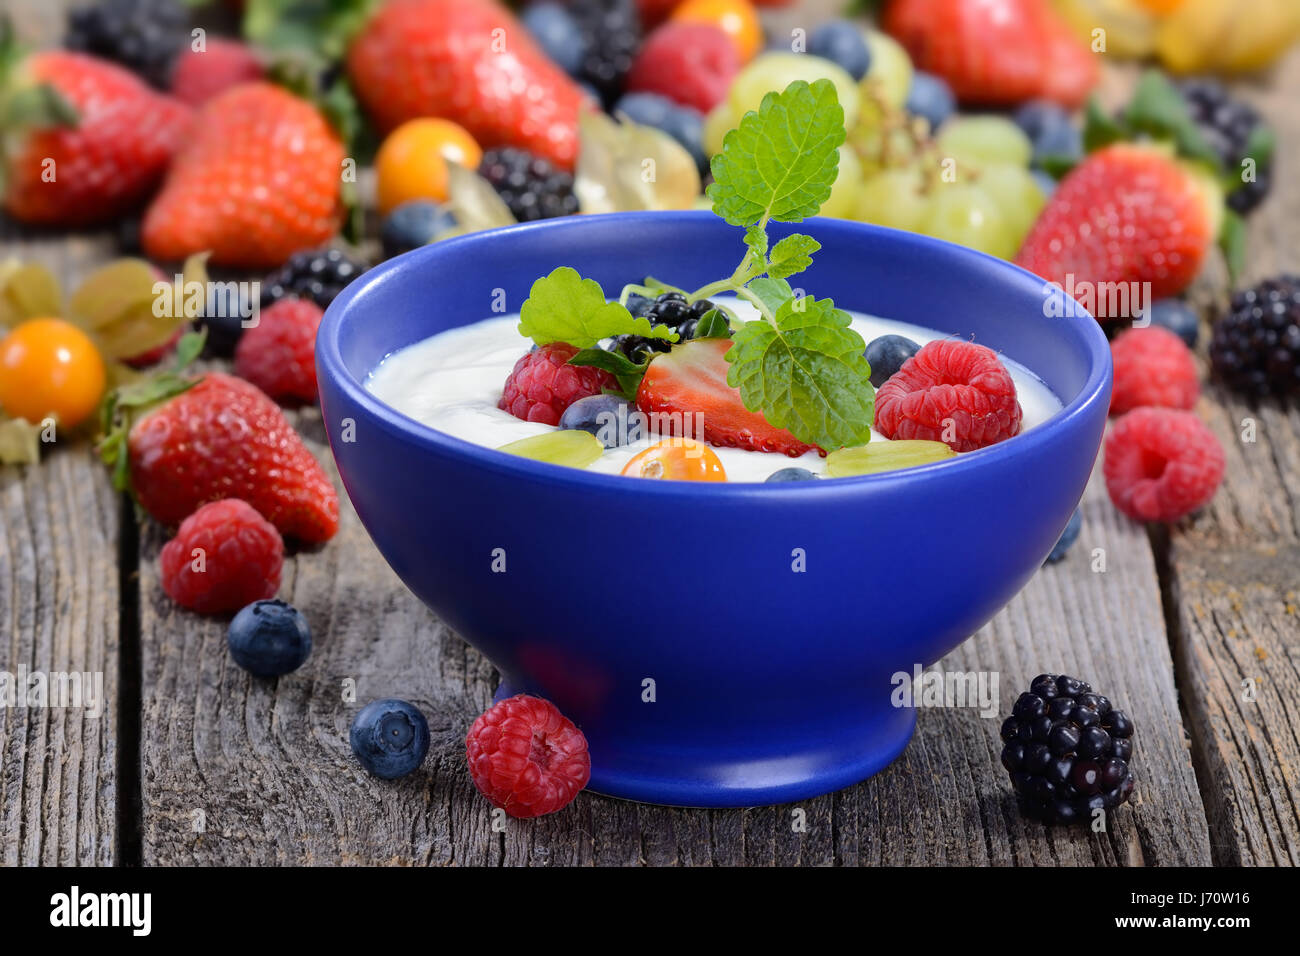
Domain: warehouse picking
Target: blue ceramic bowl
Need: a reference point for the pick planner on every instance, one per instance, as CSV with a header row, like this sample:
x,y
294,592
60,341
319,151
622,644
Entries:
x,y
719,645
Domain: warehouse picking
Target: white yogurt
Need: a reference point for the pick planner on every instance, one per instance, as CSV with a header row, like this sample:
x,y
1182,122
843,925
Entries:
x,y
452,382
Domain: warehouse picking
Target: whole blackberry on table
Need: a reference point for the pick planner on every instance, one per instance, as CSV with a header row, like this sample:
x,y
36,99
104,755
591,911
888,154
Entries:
x,y
1227,124
670,309
1067,750
612,30
145,36
316,274
1255,347
531,186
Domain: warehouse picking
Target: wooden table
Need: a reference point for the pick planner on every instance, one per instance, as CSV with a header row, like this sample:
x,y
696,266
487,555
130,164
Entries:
x,y
194,762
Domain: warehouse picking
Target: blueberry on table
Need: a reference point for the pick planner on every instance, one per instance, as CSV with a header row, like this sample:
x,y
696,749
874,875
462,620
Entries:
x,y
269,638
886,356
557,33
790,474
1179,318
412,225
682,123
930,97
390,737
1067,538
1050,130
225,310
842,43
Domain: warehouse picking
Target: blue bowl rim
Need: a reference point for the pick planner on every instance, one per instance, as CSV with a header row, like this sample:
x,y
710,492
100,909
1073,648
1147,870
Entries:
x,y
330,362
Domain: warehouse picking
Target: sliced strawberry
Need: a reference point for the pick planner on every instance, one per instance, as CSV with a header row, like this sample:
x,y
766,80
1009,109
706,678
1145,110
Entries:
x,y
692,380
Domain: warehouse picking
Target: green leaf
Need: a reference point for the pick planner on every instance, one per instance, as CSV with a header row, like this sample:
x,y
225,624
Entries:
x,y
1100,128
792,255
1057,166
806,373
1158,109
564,307
713,325
1260,145
625,371
756,239
1232,241
323,26
781,161
774,293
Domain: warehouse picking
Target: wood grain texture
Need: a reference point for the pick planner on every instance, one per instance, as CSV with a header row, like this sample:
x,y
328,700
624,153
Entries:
x,y
59,614
1234,570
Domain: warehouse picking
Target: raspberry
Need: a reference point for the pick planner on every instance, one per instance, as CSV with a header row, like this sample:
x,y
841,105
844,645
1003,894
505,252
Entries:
x,y
955,392
224,556
526,757
542,384
690,63
1161,464
201,75
1153,366
278,355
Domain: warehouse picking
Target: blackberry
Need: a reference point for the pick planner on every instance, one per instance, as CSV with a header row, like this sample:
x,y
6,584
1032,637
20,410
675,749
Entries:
x,y
1067,750
531,186
1227,124
670,309
1255,348
316,274
145,36
612,33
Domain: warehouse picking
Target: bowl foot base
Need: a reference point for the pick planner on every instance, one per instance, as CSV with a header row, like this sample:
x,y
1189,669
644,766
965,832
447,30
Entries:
x,y
789,768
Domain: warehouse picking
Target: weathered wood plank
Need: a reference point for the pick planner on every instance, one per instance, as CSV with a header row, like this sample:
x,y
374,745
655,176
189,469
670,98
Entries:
x,y
1235,569
59,614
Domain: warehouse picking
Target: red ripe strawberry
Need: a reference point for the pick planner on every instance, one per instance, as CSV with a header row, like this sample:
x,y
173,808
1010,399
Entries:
x,y
1127,214
471,62
96,163
692,379
995,51
199,75
220,438
258,180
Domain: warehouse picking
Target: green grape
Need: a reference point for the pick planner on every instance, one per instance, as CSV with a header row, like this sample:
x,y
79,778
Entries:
x,y
774,71
880,149
890,75
720,121
843,201
885,456
894,198
984,139
572,447
1017,195
965,214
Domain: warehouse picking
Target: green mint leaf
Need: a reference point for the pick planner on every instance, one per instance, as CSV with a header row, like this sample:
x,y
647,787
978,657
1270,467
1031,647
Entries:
x,y
565,307
1232,242
806,374
756,239
1100,128
774,293
713,325
1260,146
781,161
625,371
792,255
1158,108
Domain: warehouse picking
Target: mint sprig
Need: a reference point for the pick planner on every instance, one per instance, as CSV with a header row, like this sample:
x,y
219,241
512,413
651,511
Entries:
x,y
565,307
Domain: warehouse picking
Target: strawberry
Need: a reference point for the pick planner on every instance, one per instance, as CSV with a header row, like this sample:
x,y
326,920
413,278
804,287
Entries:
x,y
995,51
692,379
179,443
259,179
471,62
1127,214
199,75
96,144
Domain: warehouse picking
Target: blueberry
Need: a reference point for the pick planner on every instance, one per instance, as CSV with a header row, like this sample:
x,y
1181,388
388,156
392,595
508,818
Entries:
x,y
930,97
557,33
1050,130
790,474
224,312
1178,317
842,42
682,123
269,638
1046,182
1067,538
413,224
611,419
390,737
886,356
